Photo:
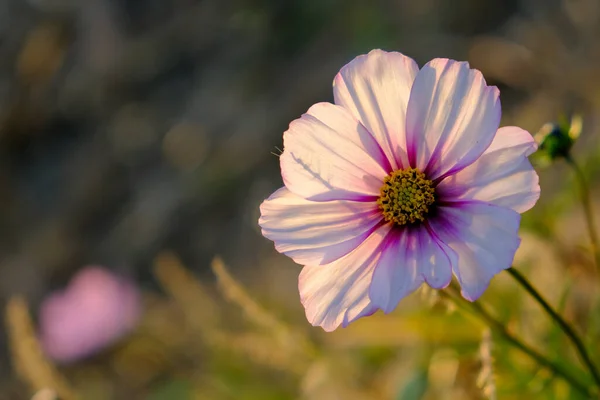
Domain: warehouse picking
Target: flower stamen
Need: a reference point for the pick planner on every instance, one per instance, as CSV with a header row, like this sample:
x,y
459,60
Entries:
x,y
406,196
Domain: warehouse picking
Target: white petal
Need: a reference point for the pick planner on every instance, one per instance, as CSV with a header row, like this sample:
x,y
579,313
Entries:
x,y
452,117
485,238
397,272
410,256
502,175
338,293
316,233
436,258
329,155
375,88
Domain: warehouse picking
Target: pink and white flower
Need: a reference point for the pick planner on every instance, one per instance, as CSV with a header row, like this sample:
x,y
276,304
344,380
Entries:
x,y
97,309
405,180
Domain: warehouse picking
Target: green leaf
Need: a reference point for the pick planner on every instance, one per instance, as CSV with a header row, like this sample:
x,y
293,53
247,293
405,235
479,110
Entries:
x,y
415,387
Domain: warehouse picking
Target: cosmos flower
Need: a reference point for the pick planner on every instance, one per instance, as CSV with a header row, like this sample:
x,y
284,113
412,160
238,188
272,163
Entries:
x,y
94,311
405,180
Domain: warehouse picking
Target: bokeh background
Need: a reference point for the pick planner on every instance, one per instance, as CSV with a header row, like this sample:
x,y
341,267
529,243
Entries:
x,y
137,139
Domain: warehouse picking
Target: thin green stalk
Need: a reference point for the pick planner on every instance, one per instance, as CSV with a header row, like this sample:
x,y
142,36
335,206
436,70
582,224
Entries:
x,y
497,326
587,209
564,325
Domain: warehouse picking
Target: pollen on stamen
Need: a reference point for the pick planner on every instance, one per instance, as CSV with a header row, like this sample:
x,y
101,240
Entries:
x,y
406,196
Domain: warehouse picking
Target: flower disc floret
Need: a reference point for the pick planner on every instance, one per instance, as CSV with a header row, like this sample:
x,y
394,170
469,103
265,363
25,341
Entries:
x,y
406,196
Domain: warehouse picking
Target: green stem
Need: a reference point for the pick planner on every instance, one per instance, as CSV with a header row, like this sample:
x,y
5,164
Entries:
x,y
587,208
497,326
564,325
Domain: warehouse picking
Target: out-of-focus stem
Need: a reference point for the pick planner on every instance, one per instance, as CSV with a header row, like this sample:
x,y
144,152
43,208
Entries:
x,y
564,325
587,209
482,313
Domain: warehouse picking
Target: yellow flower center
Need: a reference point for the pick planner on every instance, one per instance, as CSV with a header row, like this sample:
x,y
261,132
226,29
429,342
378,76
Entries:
x,y
406,196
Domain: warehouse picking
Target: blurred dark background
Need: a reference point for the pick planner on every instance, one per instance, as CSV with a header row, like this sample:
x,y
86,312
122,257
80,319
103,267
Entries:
x,y
133,127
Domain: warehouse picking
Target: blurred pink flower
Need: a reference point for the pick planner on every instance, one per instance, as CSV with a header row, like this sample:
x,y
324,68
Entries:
x,y
406,179
94,311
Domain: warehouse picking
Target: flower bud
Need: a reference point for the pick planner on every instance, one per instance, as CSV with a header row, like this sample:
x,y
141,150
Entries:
x,y
557,138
